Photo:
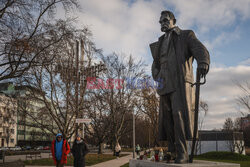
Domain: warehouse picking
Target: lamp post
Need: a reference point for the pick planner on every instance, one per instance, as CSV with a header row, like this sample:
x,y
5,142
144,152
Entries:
x,y
133,135
149,137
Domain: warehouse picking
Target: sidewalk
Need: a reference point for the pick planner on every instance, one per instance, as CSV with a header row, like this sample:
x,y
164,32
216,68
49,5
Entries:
x,y
112,163
115,162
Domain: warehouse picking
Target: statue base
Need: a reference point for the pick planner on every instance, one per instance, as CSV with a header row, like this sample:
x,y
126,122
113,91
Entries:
x,y
196,163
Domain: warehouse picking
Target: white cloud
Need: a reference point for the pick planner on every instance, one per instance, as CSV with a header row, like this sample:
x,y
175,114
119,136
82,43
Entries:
x,y
209,14
245,62
122,27
212,16
129,27
221,92
222,39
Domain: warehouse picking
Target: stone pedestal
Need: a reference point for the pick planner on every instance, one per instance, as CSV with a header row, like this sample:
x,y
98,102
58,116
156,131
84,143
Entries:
x,y
196,163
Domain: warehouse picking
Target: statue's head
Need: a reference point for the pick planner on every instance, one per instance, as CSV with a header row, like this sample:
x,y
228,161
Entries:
x,y
167,20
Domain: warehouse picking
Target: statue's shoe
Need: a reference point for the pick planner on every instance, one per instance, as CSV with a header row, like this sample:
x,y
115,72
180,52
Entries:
x,y
181,159
173,155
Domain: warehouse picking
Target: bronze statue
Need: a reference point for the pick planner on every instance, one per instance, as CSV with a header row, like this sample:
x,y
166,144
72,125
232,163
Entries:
x,y
173,56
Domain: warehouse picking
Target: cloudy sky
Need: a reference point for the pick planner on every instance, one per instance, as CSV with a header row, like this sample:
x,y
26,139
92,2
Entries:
x,y
128,26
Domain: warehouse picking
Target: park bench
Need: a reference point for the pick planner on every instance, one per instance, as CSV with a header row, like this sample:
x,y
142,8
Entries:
x,y
34,155
2,156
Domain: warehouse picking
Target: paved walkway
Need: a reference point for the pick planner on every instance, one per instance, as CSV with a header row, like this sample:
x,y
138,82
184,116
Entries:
x,y
112,163
116,162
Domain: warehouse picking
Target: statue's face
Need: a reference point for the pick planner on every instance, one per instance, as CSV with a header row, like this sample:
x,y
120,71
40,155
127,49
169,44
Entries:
x,y
166,22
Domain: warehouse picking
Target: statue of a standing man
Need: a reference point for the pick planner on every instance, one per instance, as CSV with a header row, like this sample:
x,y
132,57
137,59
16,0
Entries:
x,y
173,56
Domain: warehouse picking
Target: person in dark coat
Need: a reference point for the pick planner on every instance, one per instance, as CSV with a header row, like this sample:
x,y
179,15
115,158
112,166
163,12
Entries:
x,y
173,56
79,150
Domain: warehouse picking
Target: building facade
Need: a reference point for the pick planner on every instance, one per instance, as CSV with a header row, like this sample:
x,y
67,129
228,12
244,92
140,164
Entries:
x,y
245,122
29,116
8,121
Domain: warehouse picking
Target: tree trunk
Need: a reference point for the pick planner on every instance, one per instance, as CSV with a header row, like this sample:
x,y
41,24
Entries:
x,y
99,148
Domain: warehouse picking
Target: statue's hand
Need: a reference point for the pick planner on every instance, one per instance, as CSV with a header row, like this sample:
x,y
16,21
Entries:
x,y
203,68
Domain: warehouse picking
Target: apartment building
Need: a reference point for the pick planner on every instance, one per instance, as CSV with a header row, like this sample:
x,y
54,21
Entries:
x,y
8,121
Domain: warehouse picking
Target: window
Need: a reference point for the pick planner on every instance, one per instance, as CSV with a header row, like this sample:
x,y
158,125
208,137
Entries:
x,y
20,127
12,131
12,140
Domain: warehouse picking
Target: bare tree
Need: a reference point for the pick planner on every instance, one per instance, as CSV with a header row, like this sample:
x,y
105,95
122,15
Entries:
x,y
122,100
235,144
203,110
244,99
243,102
228,124
150,106
58,86
117,92
26,32
239,144
98,129
229,127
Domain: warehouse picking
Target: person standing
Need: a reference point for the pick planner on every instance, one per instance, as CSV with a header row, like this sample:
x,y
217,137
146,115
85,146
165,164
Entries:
x,y
117,150
137,149
79,150
60,149
173,56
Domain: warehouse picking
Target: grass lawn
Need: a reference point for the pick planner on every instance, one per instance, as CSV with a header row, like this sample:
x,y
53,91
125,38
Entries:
x,y
127,149
90,159
243,160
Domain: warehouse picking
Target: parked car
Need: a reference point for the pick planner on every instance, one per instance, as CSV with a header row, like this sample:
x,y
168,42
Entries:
x,y
39,148
46,148
17,148
28,148
4,148
12,148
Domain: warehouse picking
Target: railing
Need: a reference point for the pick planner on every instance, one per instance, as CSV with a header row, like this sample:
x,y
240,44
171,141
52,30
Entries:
x,y
34,155
2,155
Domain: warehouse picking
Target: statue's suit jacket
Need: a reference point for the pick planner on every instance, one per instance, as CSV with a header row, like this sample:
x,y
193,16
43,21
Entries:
x,y
187,48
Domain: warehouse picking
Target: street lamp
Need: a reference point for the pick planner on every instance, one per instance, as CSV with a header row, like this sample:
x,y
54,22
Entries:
x,y
133,135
